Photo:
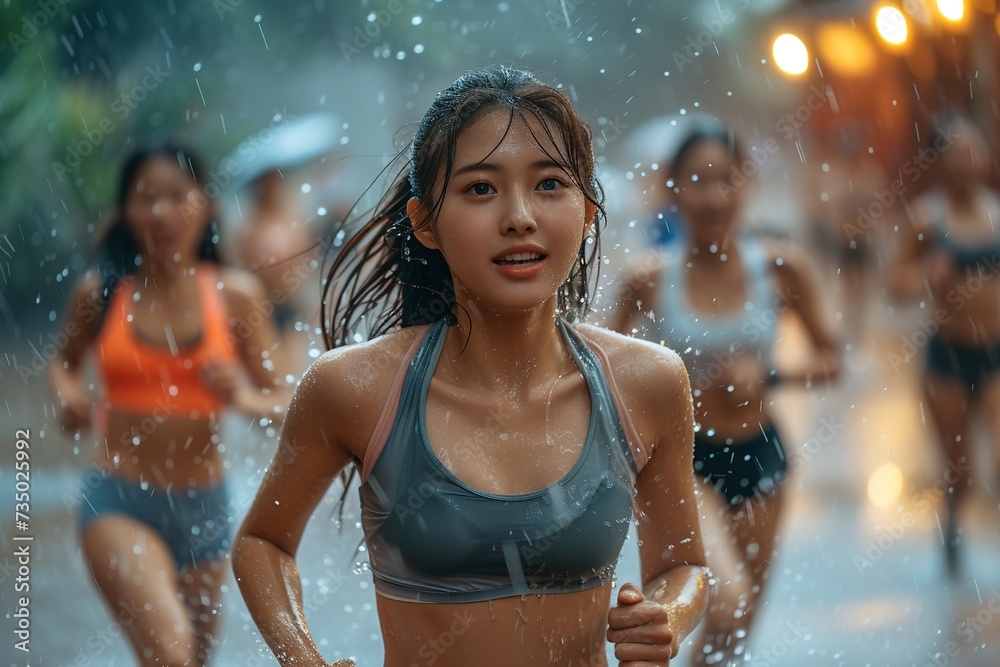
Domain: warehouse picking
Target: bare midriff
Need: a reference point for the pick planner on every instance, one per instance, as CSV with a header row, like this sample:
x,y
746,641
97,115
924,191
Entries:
x,y
162,450
966,311
738,414
557,629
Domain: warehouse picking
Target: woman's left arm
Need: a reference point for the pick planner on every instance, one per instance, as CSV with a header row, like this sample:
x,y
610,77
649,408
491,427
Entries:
x,y
801,295
649,625
257,341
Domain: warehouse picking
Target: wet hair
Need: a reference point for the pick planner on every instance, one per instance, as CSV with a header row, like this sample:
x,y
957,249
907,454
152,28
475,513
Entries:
x,y
118,250
695,137
383,277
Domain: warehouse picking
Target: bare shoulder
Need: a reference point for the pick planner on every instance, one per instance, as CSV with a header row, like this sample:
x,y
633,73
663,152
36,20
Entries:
x,y
88,289
922,211
653,385
346,388
639,367
241,289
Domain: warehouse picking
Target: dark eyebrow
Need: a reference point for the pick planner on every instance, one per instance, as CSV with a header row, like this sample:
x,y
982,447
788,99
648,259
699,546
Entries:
x,y
489,166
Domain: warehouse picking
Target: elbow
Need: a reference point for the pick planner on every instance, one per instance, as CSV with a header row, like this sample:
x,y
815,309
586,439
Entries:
x,y
238,554
239,561
248,553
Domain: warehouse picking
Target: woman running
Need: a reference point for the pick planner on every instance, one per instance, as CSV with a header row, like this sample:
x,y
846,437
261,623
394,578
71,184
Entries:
x,y
951,256
717,300
154,516
502,445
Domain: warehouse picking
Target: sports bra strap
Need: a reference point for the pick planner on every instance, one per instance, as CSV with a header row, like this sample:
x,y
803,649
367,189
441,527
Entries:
x,y
757,266
384,425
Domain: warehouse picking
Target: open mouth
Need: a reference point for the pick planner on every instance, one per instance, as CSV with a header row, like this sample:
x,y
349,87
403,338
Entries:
x,y
519,258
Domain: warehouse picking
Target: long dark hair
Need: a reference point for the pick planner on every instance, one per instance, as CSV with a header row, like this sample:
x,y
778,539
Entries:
x,y
383,277
118,251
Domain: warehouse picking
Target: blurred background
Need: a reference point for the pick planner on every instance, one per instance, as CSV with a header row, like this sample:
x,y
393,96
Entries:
x,y
833,100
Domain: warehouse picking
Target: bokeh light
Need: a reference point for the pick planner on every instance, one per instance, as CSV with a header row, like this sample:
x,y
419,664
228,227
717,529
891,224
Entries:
x,y
891,25
885,485
846,49
790,54
953,10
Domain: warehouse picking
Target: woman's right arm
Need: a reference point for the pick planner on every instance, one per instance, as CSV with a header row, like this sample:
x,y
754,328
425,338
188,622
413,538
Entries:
x,y
67,381
310,453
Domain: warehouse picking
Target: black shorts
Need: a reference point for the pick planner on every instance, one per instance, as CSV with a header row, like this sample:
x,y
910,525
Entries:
x,y
969,365
744,469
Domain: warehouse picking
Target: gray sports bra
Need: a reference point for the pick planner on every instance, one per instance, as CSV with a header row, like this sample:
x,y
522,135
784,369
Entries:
x,y
432,538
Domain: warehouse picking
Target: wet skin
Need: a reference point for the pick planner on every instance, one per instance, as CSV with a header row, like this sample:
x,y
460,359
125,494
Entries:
x,y
732,403
962,308
714,283
173,609
964,299
165,447
513,365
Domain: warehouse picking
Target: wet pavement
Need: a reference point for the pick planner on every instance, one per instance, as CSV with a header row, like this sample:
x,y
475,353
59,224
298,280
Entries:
x,y
859,579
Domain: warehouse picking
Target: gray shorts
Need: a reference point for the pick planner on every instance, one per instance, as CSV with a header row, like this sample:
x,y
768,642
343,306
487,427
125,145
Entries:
x,y
196,524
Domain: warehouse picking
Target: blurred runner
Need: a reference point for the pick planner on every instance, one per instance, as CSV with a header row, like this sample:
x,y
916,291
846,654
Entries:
x,y
951,256
155,517
717,301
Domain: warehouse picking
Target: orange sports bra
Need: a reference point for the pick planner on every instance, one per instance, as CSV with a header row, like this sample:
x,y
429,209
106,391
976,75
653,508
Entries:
x,y
147,378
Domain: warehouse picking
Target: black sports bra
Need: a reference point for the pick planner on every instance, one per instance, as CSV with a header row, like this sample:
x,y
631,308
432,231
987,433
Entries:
x,y
964,255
